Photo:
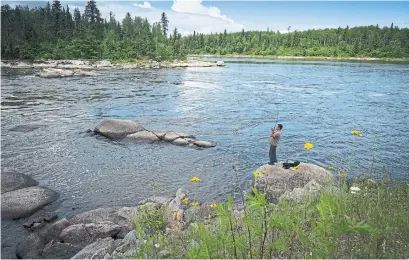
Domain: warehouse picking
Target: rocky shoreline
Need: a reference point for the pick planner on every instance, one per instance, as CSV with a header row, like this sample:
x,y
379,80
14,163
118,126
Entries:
x,y
110,233
68,68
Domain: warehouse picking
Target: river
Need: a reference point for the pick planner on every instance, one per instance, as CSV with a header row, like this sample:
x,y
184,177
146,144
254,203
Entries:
x,y
44,125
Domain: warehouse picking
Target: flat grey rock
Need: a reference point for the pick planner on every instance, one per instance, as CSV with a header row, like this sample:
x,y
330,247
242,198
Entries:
x,y
143,136
204,144
170,136
84,234
58,250
180,141
39,219
13,180
121,216
118,128
24,202
96,250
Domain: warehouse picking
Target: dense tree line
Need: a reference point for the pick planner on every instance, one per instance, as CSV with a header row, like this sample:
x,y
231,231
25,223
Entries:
x,y
364,41
56,33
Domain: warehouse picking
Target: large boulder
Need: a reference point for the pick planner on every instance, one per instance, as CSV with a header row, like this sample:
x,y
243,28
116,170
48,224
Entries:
x,y
123,217
12,181
30,247
143,136
97,250
23,202
54,230
118,128
274,180
311,189
84,234
58,250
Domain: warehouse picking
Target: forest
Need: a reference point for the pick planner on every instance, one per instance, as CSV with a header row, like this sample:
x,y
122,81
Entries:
x,y
56,32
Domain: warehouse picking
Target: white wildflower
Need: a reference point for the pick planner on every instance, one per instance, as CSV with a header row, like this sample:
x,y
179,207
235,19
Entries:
x,y
354,189
156,245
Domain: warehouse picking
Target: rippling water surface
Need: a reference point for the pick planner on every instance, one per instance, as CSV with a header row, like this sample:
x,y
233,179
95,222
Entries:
x,y
44,123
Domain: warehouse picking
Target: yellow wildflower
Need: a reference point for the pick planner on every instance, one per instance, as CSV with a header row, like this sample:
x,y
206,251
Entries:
x,y
195,179
264,172
256,174
195,203
213,205
330,168
357,133
308,146
176,214
185,201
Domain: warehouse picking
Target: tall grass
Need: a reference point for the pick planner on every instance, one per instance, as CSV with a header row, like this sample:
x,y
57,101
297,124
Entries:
x,y
370,223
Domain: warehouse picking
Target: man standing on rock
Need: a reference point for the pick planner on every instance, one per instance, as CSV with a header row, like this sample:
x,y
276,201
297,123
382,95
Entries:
x,y
274,139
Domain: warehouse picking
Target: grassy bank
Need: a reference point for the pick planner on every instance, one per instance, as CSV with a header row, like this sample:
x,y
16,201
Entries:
x,y
370,223
367,59
365,219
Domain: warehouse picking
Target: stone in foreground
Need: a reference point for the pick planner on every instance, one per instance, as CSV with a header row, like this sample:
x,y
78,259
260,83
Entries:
x,y
12,181
23,202
118,128
58,250
84,234
275,181
97,250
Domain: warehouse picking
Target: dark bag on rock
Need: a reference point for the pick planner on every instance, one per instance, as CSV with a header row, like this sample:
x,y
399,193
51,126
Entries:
x,y
289,165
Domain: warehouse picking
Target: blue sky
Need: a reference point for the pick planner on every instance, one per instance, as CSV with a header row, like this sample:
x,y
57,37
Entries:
x,y
215,16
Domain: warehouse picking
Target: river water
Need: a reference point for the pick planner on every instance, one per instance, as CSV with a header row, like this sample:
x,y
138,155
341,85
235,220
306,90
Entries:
x,y
44,125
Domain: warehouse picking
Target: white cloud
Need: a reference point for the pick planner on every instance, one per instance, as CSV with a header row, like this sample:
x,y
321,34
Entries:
x,y
196,7
200,18
145,5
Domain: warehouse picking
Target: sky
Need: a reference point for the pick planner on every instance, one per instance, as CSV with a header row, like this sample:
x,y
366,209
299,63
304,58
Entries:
x,y
216,16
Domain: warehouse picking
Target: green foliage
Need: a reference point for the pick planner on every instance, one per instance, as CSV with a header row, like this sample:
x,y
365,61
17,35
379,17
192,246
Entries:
x,y
363,41
52,32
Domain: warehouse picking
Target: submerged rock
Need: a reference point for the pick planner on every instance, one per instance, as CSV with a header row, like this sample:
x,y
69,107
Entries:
x,y
23,202
118,128
13,180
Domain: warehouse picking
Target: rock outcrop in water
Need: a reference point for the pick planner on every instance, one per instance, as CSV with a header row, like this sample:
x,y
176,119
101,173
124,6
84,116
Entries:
x,y
285,184
133,131
21,197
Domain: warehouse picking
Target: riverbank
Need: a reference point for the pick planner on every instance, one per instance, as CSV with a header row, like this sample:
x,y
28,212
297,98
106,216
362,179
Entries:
x,y
304,212
363,59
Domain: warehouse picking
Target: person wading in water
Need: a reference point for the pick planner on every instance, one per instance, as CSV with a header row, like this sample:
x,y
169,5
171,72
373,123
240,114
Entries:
x,y
274,139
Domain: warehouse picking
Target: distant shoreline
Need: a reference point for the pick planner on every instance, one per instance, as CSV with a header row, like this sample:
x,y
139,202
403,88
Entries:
x,y
366,59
